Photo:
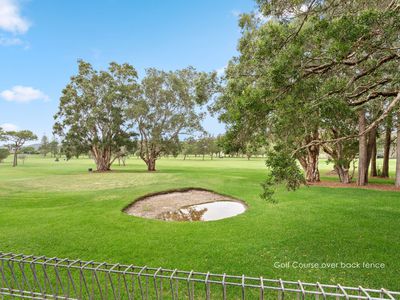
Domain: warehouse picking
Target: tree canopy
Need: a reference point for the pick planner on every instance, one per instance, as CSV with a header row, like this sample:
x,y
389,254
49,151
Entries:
x,y
17,140
44,145
91,117
314,76
167,106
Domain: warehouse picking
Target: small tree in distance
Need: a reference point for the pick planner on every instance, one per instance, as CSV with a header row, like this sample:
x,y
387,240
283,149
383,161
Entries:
x,y
28,150
18,140
44,146
54,147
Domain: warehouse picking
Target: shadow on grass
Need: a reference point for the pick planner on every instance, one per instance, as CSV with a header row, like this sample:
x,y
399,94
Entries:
x,y
135,171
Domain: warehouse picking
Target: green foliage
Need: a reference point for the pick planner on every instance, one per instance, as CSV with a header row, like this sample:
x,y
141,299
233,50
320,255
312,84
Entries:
x,y
91,115
44,145
297,78
28,150
206,145
188,146
166,107
19,138
268,189
54,147
4,153
283,168
2,135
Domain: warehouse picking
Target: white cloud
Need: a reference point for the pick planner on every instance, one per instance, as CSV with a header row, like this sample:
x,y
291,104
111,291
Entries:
x,y
23,94
10,41
9,127
11,19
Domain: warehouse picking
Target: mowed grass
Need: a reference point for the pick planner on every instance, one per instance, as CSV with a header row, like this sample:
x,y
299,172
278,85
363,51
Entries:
x,y
59,209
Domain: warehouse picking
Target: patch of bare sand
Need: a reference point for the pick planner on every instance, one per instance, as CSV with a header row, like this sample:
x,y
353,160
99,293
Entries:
x,y
371,186
153,206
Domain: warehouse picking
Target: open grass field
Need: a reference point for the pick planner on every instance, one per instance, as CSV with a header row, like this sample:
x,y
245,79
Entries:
x,y
60,209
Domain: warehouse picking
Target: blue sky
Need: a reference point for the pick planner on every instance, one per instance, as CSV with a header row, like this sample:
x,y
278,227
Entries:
x,y
41,40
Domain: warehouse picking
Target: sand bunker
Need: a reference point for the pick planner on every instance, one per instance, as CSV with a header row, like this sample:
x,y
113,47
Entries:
x,y
186,205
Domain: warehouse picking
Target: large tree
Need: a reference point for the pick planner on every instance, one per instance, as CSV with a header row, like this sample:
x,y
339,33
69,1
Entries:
x,y
168,106
91,117
352,46
306,68
17,140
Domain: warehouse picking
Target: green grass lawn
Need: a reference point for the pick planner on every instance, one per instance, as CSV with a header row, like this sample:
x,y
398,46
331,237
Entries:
x,y
60,209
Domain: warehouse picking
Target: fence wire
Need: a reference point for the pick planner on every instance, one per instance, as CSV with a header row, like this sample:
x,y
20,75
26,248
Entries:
x,y
40,277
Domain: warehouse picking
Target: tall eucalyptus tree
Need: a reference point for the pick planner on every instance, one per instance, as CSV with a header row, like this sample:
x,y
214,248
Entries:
x,y
167,107
91,117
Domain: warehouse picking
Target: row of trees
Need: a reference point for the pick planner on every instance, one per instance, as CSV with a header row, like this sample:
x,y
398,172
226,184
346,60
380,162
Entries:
x,y
205,145
47,146
220,146
317,76
107,113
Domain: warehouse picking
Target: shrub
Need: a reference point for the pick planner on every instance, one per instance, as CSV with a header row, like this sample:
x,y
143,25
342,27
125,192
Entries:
x,y
4,153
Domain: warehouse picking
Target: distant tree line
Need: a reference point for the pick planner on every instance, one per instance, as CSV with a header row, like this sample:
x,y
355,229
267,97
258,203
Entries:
x,y
216,147
47,147
205,147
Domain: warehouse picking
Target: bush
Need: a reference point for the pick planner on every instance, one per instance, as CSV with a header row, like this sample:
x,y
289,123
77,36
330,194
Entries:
x,y
4,153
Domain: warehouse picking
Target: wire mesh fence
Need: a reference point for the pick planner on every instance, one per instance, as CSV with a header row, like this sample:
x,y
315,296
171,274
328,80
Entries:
x,y
40,277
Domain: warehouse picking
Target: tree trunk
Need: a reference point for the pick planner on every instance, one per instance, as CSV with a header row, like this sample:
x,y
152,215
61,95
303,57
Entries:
x,y
374,171
310,162
310,166
397,181
312,171
102,159
362,151
343,173
386,148
15,160
371,144
102,165
151,164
